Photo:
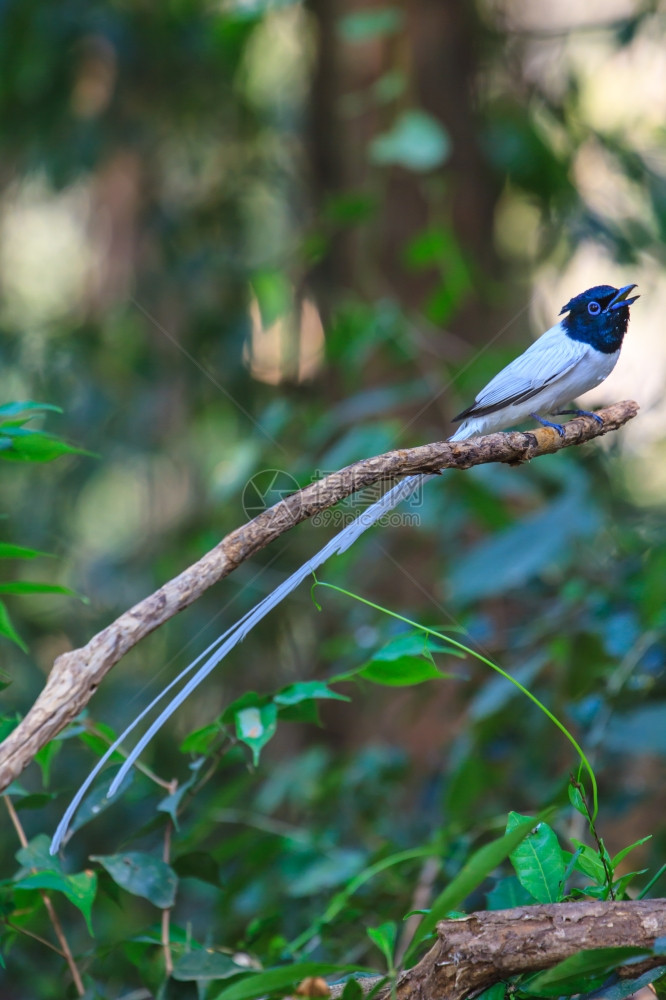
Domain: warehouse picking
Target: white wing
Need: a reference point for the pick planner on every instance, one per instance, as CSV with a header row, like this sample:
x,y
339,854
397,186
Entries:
x,y
544,362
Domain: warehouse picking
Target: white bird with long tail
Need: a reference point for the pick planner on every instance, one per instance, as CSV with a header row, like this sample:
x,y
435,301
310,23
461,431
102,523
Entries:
x,y
575,355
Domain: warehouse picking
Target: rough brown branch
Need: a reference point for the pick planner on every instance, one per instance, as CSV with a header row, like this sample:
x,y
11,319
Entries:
x,y
75,675
485,948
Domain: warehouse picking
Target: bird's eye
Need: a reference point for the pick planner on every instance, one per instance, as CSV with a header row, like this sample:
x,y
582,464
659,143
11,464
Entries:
x,y
594,308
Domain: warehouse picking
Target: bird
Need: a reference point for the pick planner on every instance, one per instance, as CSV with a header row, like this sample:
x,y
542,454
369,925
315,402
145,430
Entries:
x,y
573,356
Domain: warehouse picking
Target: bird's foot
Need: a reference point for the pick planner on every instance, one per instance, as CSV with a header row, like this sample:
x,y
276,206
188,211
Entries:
x,y
582,413
548,423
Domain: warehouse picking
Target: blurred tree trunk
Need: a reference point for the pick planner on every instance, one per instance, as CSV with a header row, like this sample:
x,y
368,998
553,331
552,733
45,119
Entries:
x,y
439,51
446,39
327,171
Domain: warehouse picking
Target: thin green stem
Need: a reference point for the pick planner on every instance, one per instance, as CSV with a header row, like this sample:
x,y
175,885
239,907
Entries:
x,y
482,659
340,899
643,893
601,847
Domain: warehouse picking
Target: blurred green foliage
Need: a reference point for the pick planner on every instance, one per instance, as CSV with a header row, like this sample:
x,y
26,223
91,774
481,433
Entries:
x,y
254,236
19,443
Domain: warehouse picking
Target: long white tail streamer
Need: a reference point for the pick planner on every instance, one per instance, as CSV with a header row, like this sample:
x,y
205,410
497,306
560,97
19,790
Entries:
x,y
226,642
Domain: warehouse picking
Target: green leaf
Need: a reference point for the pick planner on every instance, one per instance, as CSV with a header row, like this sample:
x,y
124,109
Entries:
x,y
247,700
620,887
142,875
8,630
577,801
414,643
385,937
26,587
204,965
8,551
6,426
626,987
304,691
99,738
589,862
405,660
404,672
626,850
659,985
304,711
201,740
352,990
170,804
282,979
495,992
570,975
471,875
79,889
97,800
538,860
45,757
591,892
571,860
374,22
33,446
12,409
255,726
417,141
36,854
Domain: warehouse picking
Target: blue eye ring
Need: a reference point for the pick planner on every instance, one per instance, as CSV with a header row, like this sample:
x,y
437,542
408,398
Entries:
x,y
593,308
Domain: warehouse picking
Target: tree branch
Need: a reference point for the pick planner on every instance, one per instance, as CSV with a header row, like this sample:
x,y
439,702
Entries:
x,y
76,674
484,948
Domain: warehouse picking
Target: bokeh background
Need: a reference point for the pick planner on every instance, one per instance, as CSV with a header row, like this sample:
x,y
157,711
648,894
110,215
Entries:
x,y
245,235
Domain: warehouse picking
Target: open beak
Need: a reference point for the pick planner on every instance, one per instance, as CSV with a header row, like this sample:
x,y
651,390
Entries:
x,y
620,299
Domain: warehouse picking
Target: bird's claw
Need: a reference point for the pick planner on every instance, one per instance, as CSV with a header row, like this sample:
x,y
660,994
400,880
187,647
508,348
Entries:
x,y
588,413
583,413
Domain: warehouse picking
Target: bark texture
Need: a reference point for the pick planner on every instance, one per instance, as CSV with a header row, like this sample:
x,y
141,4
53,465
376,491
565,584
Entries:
x,y
485,948
75,675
